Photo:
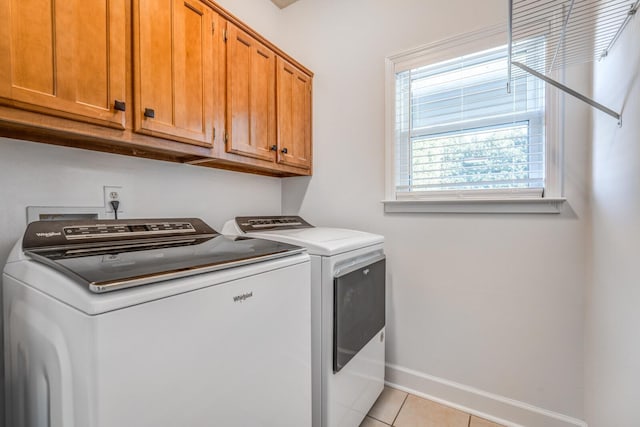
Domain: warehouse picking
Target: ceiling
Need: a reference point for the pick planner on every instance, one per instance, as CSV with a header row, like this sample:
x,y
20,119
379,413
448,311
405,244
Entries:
x,y
283,3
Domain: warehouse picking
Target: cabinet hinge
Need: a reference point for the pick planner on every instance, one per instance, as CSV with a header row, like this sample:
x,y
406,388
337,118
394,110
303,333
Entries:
x,y
214,134
213,28
224,35
226,138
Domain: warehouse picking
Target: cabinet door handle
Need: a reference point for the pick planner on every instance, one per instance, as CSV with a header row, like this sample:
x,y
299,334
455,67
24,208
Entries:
x,y
284,150
119,105
150,113
274,148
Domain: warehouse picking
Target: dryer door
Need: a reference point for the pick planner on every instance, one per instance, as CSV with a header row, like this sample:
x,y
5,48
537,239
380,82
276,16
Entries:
x,y
358,308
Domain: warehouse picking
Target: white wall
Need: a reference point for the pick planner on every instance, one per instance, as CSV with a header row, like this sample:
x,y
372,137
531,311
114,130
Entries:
x,y
613,300
493,302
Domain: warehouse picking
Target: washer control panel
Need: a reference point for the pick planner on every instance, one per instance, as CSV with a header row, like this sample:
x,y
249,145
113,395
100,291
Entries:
x,y
48,234
122,230
265,223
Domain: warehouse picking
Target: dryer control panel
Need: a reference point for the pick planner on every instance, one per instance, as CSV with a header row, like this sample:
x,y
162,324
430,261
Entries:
x,y
265,223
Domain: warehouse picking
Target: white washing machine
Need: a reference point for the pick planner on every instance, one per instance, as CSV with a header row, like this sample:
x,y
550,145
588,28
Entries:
x,y
155,323
348,312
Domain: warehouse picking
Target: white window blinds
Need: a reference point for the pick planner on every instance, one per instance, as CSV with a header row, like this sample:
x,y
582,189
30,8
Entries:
x,y
458,130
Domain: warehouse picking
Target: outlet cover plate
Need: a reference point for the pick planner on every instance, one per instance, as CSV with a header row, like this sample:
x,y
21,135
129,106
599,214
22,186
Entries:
x,y
121,197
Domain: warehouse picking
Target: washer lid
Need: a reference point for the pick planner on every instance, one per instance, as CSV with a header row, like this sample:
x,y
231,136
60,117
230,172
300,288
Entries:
x,y
120,254
323,241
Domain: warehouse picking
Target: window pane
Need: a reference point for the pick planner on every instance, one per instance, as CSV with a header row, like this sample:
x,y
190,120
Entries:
x,y
496,157
457,128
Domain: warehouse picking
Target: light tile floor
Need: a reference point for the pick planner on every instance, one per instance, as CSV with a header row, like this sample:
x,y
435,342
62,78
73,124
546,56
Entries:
x,y
399,409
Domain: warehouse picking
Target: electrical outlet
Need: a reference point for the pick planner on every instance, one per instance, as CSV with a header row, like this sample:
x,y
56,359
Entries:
x,y
111,193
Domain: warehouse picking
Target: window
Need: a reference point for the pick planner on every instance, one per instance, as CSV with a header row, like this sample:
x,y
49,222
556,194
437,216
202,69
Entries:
x,y
457,134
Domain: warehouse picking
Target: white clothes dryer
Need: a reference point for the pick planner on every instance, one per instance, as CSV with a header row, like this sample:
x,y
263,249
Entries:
x,y
347,312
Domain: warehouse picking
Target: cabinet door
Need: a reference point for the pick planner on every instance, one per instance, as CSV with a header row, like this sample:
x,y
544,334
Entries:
x,y
64,57
294,116
251,123
174,70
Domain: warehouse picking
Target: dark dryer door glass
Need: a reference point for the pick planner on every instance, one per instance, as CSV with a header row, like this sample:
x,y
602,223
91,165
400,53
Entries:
x,y
358,309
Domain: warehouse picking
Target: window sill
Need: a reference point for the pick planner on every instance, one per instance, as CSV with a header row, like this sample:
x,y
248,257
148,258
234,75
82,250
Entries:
x,y
505,206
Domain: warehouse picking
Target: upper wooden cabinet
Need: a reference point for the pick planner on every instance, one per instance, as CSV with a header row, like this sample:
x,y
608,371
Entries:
x,y
65,58
294,115
174,69
268,111
177,80
250,110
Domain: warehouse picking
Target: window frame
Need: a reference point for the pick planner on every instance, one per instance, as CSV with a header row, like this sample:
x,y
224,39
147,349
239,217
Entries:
x,y
480,201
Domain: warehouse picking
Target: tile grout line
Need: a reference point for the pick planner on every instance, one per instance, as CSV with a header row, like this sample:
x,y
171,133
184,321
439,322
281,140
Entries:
x,y
398,413
374,418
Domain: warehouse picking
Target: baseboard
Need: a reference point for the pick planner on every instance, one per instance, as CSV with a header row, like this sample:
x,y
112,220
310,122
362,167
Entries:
x,y
493,407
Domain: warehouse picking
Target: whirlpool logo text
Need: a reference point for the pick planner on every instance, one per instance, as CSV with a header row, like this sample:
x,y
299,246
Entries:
x,y
49,234
242,297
